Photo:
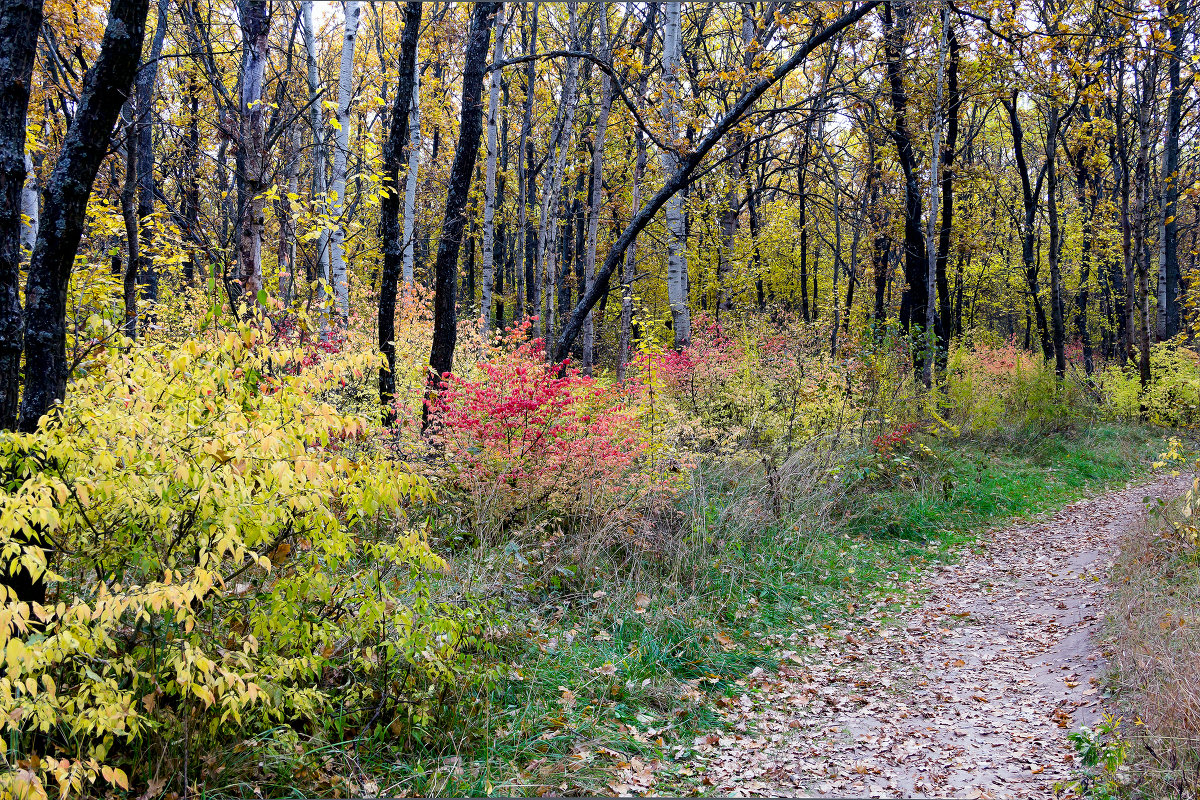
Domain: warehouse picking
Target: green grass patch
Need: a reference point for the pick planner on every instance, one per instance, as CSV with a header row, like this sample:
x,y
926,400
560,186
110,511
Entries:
x,y
601,673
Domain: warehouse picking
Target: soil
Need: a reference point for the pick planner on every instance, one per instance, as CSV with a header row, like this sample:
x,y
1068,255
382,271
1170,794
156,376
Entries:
x,y
972,696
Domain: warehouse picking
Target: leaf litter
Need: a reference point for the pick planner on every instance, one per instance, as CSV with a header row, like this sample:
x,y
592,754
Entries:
x,y
971,696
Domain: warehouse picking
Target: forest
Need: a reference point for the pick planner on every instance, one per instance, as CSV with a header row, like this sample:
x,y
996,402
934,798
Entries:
x,y
623,398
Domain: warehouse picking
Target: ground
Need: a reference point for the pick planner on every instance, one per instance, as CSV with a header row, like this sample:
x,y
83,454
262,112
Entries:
x,y
970,695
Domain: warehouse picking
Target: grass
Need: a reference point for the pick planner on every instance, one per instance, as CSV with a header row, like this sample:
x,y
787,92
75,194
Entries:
x,y
616,670
1153,640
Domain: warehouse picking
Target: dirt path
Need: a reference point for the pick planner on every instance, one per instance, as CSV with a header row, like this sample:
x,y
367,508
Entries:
x,y
972,697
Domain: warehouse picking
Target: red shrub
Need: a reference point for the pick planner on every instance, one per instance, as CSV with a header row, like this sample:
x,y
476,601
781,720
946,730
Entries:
x,y
526,440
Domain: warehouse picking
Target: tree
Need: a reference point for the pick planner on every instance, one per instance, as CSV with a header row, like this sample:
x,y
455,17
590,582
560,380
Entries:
x,y
677,277
106,86
445,321
20,21
341,152
251,158
689,163
394,247
489,190
915,302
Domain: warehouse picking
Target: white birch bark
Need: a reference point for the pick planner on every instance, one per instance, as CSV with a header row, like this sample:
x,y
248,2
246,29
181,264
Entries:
x,y
589,329
29,206
677,282
547,247
341,149
931,226
489,187
318,176
410,178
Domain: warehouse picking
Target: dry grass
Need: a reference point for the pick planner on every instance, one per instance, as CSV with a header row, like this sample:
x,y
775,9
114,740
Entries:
x,y
1154,640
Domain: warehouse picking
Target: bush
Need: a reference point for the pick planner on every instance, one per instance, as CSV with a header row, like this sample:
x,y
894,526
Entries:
x,y
991,387
1173,397
221,559
529,441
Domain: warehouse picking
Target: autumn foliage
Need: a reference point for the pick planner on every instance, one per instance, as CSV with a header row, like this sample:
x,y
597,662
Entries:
x,y
528,439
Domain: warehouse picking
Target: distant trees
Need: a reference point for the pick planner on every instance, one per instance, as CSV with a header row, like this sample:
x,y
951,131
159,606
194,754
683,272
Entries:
x,y
1026,173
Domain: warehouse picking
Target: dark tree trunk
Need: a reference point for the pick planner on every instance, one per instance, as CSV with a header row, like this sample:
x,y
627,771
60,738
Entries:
x,y
881,244
1057,300
389,208
1029,194
954,104
191,167
133,242
20,21
147,275
105,89
1087,192
1177,12
915,300
445,321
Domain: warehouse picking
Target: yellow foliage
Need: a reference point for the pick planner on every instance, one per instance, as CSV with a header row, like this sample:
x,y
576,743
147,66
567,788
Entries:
x,y
220,552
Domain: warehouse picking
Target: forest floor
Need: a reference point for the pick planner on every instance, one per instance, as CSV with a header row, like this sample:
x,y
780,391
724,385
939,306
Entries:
x,y
970,695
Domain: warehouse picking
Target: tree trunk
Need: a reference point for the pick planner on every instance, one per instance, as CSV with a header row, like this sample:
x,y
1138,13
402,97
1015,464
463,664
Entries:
x,y
147,76
29,207
1168,301
338,277
1140,218
593,222
396,252
936,179
688,164
1030,192
953,105
677,277
445,322
629,265
315,122
1057,303
525,177
915,300
411,179
547,241
191,170
20,22
256,27
129,215
489,186
105,88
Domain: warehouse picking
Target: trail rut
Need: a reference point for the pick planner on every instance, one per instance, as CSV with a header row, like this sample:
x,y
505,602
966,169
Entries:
x,y
972,696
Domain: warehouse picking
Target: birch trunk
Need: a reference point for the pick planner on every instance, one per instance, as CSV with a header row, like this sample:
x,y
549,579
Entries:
x,y
489,187
338,277
547,243
147,77
593,229
314,119
411,176
931,222
677,294
251,158
29,206
629,264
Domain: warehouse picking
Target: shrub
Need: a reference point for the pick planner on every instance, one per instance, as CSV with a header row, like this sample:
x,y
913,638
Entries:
x,y
990,387
220,560
528,440
1173,397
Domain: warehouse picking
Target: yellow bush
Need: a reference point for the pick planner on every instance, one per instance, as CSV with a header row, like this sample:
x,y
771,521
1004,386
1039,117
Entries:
x,y
219,558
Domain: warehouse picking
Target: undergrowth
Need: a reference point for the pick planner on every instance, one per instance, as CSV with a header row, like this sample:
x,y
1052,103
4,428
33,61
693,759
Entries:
x,y
619,668
1153,630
